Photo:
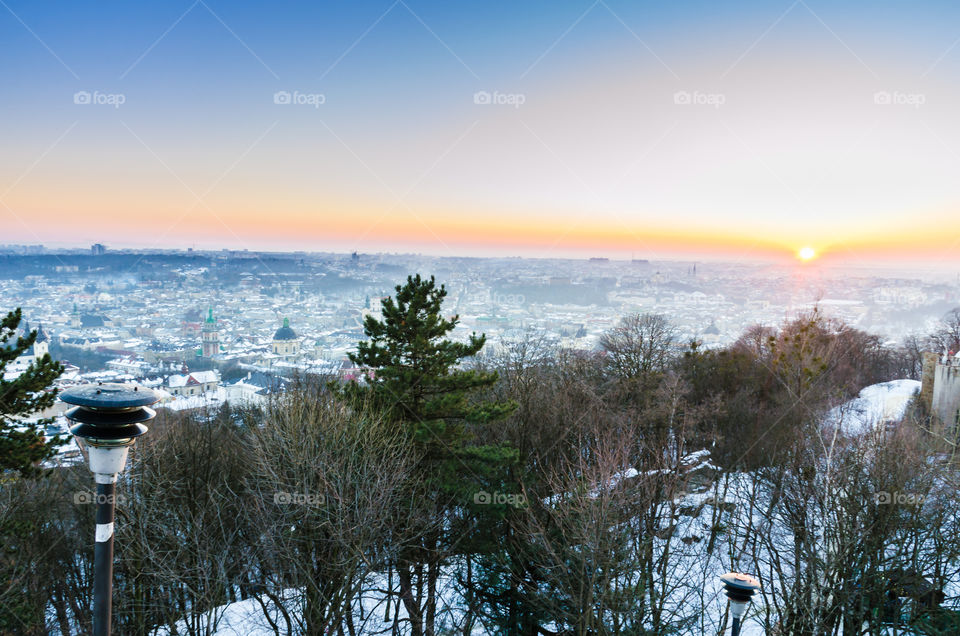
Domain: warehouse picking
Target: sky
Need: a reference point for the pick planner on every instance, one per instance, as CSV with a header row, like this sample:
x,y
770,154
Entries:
x,y
603,128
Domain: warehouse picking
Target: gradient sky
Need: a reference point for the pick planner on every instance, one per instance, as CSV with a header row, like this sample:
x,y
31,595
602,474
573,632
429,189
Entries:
x,y
789,139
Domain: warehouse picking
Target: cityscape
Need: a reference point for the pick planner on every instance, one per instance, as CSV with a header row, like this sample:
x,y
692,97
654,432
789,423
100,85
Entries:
x,y
209,327
420,318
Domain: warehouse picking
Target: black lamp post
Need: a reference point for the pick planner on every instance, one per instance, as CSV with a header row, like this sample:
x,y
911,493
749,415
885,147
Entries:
x,y
740,589
108,419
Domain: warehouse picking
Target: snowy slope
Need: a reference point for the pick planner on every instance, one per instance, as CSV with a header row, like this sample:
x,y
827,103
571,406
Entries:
x,y
877,405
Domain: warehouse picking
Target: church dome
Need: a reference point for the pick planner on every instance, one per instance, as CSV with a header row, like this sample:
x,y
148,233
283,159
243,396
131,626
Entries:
x,y
285,332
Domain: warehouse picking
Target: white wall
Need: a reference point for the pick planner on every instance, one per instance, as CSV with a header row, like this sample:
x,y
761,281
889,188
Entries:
x,y
946,393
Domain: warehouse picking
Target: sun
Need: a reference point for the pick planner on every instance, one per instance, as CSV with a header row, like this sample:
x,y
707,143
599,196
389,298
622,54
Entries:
x,y
807,254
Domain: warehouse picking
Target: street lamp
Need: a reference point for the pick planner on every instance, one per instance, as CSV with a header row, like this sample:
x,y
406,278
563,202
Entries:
x,y
740,589
108,419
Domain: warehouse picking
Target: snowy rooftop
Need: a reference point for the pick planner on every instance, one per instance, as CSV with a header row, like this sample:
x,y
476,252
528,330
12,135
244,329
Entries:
x,y
197,377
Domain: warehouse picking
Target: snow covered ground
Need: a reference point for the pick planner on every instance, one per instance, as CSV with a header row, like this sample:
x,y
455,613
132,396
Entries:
x,y
243,618
876,406
246,618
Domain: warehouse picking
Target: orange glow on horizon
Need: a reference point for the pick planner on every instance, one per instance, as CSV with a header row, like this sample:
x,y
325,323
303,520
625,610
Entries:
x,y
372,226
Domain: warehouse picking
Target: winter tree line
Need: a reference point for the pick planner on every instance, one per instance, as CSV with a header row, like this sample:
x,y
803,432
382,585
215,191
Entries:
x,y
530,491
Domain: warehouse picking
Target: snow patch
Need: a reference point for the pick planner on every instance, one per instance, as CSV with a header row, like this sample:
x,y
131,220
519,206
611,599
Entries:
x,y
876,406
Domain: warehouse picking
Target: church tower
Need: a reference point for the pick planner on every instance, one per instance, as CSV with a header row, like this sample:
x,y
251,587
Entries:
x,y
41,346
210,336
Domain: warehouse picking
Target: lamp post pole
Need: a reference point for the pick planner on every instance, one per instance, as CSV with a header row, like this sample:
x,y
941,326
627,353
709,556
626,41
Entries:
x,y
103,559
107,418
740,589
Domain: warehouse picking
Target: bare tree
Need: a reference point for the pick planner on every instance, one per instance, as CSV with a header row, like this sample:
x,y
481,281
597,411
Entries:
x,y
911,352
42,562
947,335
180,523
327,497
639,346
829,531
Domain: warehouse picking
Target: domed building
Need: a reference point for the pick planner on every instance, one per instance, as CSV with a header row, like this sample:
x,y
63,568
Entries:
x,y
286,343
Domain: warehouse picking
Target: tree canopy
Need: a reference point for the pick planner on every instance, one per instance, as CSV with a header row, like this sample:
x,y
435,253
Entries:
x,y
22,443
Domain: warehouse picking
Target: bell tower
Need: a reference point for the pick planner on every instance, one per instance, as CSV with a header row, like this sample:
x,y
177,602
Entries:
x,y
41,345
210,336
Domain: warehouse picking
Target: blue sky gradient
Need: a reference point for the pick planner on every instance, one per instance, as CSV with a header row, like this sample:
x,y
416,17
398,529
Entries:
x,y
600,156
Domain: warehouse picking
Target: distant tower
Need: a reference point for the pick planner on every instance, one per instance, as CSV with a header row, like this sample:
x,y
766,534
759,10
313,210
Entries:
x,y
285,341
210,336
41,346
98,249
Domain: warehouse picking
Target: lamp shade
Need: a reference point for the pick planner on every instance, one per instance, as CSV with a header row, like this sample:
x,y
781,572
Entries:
x,y
108,417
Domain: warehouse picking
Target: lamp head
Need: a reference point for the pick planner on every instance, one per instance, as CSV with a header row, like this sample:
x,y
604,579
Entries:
x,y
740,589
108,418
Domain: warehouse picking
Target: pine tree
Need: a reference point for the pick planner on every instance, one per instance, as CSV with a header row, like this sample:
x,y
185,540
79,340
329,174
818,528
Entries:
x,y
22,444
413,369
414,377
